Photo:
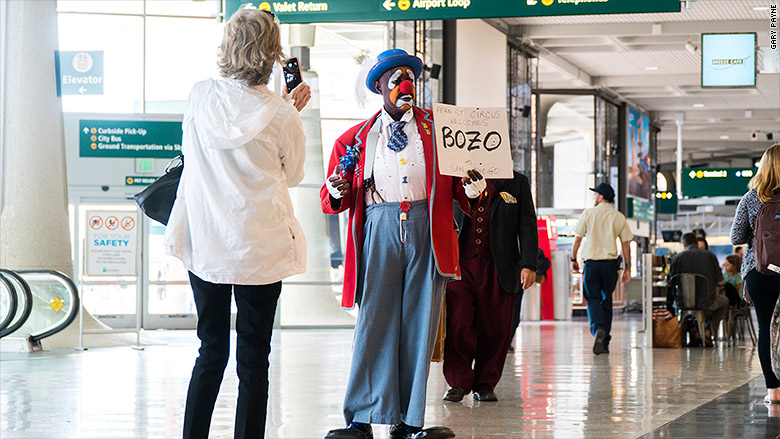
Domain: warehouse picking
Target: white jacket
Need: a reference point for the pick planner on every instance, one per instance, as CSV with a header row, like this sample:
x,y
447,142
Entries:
x,y
233,220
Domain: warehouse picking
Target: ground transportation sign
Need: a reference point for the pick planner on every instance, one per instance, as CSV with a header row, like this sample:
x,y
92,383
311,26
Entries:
x,y
391,10
716,182
129,138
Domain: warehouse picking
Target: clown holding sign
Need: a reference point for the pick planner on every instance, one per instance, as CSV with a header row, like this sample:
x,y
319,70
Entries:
x,y
402,247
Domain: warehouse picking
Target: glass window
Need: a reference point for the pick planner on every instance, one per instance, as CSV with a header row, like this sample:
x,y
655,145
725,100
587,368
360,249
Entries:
x,y
113,6
120,38
179,53
193,8
169,290
566,157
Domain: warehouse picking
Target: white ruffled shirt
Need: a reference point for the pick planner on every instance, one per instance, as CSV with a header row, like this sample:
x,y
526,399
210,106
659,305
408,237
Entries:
x,y
391,167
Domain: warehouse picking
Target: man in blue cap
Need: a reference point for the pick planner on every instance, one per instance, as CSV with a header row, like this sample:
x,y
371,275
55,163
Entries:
x,y
602,225
402,247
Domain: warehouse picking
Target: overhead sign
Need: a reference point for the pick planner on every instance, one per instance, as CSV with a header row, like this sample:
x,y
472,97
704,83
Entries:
x,y
666,202
390,10
79,73
472,138
129,138
639,209
112,243
716,182
728,60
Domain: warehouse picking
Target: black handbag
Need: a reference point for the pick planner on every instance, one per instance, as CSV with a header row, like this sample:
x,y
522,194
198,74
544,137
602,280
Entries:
x,y
156,201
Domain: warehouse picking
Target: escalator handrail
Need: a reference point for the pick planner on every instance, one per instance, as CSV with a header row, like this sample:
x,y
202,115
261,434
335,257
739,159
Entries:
x,y
27,292
12,302
74,310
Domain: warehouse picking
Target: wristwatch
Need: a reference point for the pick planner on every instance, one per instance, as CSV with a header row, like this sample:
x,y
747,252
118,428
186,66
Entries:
x,y
573,259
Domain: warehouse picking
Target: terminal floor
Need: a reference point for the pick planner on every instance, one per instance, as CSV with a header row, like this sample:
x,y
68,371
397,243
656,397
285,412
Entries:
x,y
553,387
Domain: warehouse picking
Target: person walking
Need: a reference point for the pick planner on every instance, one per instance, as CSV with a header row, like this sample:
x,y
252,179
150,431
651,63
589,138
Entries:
x,y
762,289
244,147
402,248
601,225
498,255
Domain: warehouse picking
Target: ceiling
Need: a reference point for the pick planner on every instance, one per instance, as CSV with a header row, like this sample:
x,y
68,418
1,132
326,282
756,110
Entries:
x,y
642,59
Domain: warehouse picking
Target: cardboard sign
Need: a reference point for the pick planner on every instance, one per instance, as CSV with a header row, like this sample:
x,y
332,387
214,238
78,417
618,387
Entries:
x,y
472,138
112,243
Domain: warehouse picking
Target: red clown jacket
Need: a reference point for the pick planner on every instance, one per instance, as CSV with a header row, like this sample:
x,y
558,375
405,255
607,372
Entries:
x,y
442,191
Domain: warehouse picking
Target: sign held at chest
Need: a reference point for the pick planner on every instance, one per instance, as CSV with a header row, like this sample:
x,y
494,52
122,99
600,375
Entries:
x,y
472,138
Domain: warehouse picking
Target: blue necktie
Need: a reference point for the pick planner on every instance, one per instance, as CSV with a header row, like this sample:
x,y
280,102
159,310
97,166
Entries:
x,y
398,139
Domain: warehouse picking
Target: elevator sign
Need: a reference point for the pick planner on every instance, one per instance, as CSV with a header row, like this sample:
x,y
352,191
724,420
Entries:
x,y
79,73
313,11
112,243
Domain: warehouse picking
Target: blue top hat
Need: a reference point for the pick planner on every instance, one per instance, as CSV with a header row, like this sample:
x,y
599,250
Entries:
x,y
390,59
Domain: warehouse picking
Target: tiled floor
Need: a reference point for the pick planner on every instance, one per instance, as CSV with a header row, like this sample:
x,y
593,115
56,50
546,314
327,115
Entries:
x,y
553,386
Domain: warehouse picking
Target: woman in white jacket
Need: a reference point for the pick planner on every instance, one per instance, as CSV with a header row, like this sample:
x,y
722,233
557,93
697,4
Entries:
x,y
232,224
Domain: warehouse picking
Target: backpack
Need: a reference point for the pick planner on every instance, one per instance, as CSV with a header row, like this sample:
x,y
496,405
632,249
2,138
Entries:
x,y
766,240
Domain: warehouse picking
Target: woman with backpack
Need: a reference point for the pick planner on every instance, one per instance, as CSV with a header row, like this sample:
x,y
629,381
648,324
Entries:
x,y
759,210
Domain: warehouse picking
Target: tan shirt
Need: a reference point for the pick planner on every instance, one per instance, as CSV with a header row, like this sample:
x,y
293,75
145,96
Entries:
x,y
601,226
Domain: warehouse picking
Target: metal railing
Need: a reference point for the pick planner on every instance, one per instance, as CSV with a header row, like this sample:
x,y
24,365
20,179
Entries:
x,y
42,304
24,302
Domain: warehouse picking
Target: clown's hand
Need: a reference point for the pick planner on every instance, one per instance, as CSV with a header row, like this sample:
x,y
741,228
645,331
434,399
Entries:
x,y
473,183
337,186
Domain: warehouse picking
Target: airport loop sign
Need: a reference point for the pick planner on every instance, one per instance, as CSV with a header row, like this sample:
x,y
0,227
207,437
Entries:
x,y
323,11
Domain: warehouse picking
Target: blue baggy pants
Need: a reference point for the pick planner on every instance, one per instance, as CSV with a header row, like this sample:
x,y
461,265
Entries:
x,y
598,282
400,295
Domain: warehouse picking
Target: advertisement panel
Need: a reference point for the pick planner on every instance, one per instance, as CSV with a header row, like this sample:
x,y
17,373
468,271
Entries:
x,y
638,161
728,60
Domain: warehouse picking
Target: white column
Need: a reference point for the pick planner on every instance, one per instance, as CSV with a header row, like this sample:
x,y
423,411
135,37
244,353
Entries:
x,y
679,118
34,203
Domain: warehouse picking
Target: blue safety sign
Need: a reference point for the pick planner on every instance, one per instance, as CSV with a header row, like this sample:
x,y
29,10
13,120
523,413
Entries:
x,y
79,73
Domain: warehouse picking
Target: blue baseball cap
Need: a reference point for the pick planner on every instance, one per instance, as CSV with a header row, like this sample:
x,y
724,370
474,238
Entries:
x,y
390,59
605,190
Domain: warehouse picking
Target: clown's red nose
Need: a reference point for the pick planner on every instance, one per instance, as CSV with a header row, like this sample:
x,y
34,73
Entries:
x,y
406,87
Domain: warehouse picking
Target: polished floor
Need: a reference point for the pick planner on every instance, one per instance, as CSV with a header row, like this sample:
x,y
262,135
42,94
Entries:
x,y
553,387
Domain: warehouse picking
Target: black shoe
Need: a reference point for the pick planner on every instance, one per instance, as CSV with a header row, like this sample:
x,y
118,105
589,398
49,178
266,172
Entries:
x,y
598,343
485,395
455,394
433,433
403,431
355,430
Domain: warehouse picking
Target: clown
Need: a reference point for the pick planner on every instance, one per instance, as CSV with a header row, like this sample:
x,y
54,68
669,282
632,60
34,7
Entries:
x,y
402,247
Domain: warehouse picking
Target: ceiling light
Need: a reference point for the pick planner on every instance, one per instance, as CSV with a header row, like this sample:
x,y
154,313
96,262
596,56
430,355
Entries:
x,y
698,105
724,137
760,8
651,68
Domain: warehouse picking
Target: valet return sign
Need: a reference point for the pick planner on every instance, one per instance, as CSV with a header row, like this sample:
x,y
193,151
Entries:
x,y
112,243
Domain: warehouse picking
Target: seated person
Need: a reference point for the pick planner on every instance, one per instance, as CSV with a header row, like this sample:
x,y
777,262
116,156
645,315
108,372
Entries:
x,y
733,280
700,261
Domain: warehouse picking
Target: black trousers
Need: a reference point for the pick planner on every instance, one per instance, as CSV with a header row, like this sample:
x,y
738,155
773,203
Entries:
x,y
764,291
254,322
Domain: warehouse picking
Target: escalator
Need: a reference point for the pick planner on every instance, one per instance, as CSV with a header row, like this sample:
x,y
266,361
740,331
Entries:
x,y
44,303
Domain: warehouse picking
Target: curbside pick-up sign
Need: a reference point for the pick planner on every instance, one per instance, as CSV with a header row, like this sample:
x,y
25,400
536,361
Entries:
x,y
79,73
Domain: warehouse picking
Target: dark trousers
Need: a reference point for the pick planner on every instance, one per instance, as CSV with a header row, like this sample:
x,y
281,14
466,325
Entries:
x,y
764,291
479,317
598,281
254,322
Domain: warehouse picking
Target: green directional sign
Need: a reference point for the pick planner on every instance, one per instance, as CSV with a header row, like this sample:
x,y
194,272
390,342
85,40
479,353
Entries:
x,y
666,202
716,182
137,180
639,209
129,138
390,10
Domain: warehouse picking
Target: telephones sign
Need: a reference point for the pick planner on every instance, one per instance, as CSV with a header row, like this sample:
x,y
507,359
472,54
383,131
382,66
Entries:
x,y
472,138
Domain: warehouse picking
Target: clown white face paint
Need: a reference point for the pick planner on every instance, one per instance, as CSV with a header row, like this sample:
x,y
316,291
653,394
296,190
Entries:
x,y
397,88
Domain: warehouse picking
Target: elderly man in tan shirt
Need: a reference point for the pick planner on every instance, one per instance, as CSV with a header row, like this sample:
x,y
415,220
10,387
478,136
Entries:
x,y
602,225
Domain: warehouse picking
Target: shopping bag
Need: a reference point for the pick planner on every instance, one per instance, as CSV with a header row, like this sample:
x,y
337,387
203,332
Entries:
x,y
666,333
774,341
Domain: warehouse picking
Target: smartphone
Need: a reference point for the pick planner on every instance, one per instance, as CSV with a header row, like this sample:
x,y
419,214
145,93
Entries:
x,y
292,73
